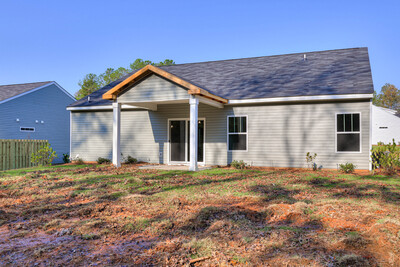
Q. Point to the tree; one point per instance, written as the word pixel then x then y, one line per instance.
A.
pixel 91 82
pixel 389 97
pixel 166 62
pixel 140 63
pixel 111 75
pixel 88 85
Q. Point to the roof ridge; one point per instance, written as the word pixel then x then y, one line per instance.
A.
pixel 288 54
pixel 25 83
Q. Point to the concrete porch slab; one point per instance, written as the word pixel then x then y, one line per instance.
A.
pixel 172 167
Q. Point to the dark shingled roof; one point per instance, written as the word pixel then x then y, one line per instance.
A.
pixel 332 72
pixel 8 91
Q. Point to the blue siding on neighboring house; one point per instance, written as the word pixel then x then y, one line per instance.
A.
pixel 47 105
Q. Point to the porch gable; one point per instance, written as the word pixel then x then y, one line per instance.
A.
pixel 153 88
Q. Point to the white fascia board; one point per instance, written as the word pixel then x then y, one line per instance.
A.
pixel 300 98
pixel 210 102
pixel 104 107
pixel 65 91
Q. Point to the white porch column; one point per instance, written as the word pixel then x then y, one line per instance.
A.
pixel 116 157
pixel 194 109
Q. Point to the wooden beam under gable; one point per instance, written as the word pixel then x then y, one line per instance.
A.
pixel 192 89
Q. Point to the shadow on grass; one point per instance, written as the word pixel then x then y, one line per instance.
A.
pixel 275 193
pixel 345 189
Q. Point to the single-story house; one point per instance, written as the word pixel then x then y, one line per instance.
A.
pixel 36 111
pixel 267 111
pixel 385 125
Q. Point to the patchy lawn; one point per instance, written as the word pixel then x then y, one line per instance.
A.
pixel 81 215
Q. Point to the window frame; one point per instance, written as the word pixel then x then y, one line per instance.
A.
pixel 344 132
pixel 24 131
pixel 229 133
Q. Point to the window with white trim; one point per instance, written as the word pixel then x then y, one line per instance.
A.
pixel 237 133
pixel 348 132
pixel 27 129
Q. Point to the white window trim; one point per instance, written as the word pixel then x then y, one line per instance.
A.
pixel 169 162
pixel 246 133
pixel 20 129
pixel 359 132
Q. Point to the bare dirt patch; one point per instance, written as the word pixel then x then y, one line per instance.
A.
pixel 99 215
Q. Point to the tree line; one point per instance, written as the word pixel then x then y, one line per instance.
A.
pixel 92 82
pixel 389 97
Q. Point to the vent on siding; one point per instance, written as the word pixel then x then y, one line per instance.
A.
pixel 27 129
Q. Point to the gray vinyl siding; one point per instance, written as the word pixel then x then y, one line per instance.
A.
pixel 154 88
pixel 47 105
pixel 278 135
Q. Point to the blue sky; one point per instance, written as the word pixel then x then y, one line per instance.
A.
pixel 64 40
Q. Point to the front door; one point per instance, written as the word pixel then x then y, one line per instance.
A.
pixel 179 134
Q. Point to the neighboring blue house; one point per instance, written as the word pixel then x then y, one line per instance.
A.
pixel 36 111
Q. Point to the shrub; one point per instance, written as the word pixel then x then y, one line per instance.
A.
pixel 44 155
pixel 347 167
pixel 101 160
pixel 238 164
pixel 386 157
pixel 130 160
pixel 66 158
pixel 310 159
pixel 79 161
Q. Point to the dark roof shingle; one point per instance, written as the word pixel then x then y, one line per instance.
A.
pixel 332 72
pixel 11 90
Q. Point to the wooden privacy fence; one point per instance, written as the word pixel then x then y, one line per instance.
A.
pixel 15 154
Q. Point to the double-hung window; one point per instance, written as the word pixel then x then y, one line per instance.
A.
pixel 348 132
pixel 237 133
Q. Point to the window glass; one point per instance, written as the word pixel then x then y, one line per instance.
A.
pixel 347 123
pixel 231 124
pixel 237 142
pixel 348 142
pixel 356 122
pixel 237 124
pixel 340 122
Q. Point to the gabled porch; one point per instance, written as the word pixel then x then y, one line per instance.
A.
pixel 150 87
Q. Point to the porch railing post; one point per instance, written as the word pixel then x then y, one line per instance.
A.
pixel 116 157
pixel 194 108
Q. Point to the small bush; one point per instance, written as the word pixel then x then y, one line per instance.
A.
pixel 101 160
pixel 386 157
pixel 130 160
pixel 352 260
pixel 240 165
pixel 66 158
pixel 347 167
pixel 44 156
pixel 79 161
pixel 310 159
